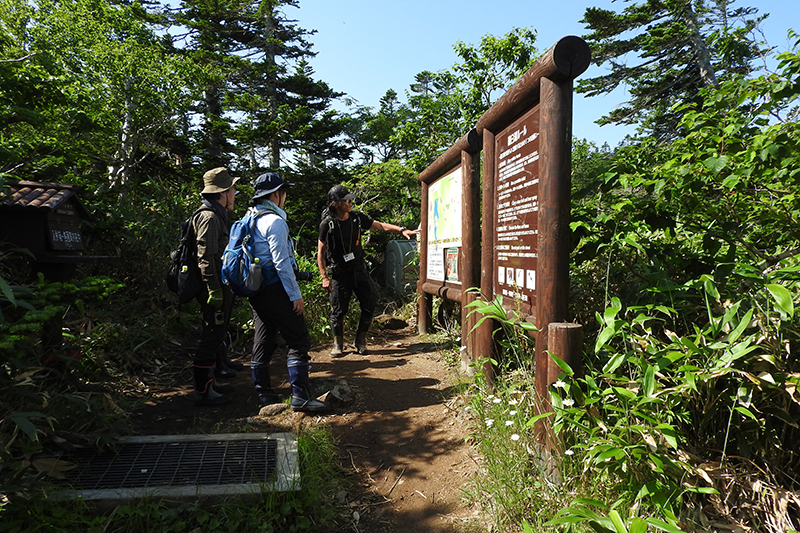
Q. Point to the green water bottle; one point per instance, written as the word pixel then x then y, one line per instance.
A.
pixel 184 273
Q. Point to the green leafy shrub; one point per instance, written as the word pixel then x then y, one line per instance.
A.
pixel 44 401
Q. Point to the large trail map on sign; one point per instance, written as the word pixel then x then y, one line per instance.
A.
pixel 444 221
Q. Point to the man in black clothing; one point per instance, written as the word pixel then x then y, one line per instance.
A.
pixel 340 259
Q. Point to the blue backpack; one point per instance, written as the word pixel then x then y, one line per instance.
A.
pixel 241 270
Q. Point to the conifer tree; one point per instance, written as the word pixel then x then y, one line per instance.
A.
pixel 665 52
pixel 259 97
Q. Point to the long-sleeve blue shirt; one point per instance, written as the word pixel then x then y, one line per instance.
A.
pixel 273 246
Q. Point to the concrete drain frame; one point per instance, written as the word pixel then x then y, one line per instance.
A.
pixel 186 466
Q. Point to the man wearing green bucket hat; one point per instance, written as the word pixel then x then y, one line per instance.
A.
pixel 211 225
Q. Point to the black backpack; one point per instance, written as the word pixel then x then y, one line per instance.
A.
pixel 183 277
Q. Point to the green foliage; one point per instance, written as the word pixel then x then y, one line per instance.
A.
pixel 512 335
pixel 389 191
pixel 663 215
pixel 515 484
pixel 490 68
pixel 371 131
pixel 258 94
pixel 686 280
pixel 663 401
pixel 306 201
pixel 445 105
pixel 44 406
pixel 111 96
pixel 640 426
pixel 315 299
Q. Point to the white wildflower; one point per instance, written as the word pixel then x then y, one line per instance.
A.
pixel 489 422
pixel 497 400
pixel 509 422
pixel 569 452
pixel 513 402
pixel 512 413
pixel 569 402
pixel 559 384
pixel 515 437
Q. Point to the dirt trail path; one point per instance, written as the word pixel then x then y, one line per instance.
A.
pixel 403 437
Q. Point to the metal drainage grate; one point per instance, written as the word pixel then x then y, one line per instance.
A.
pixel 186 465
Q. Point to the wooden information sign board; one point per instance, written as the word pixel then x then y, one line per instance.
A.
pixel 516 203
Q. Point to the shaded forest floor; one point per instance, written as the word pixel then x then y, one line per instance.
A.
pixel 402 439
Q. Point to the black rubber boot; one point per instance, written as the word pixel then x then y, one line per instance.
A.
pixel 338 346
pixel 301 389
pixel 204 392
pixel 223 371
pixel 261 381
pixel 361 342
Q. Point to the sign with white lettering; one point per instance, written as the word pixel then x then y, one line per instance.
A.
pixel 517 211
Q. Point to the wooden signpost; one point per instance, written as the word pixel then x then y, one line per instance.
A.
pixel 527 138
pixel 526 141
pixel 450 237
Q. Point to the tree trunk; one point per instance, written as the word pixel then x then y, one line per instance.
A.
pixel 700 48
pixel 119 171
pixel 273 145
pixel 212 117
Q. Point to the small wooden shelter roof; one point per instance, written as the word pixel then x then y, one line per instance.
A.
pixel 41 195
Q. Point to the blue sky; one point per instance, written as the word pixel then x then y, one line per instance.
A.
pixel 365 47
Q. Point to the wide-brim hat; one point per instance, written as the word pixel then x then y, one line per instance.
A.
pixel 218 180
pixel 339 192
pixel 268 183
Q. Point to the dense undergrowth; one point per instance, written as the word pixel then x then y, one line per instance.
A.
pixel 686 278
pixel 677 431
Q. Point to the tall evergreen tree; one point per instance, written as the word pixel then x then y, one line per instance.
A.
pixel 372 130
pixel 666 52
pixel 259 96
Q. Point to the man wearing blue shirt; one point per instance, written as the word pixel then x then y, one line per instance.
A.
pixel 279 306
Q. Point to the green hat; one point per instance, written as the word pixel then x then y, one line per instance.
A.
pixel 218 180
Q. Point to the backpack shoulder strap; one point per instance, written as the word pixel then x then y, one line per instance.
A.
pixel 197 211
pixel 255 215
pixel 328 236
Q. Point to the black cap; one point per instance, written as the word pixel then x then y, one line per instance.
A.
pixel 339 192
pixel 267 184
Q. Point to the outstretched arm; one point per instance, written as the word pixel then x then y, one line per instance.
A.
pixel 391 228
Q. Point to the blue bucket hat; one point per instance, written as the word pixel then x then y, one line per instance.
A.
pixel 267 184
